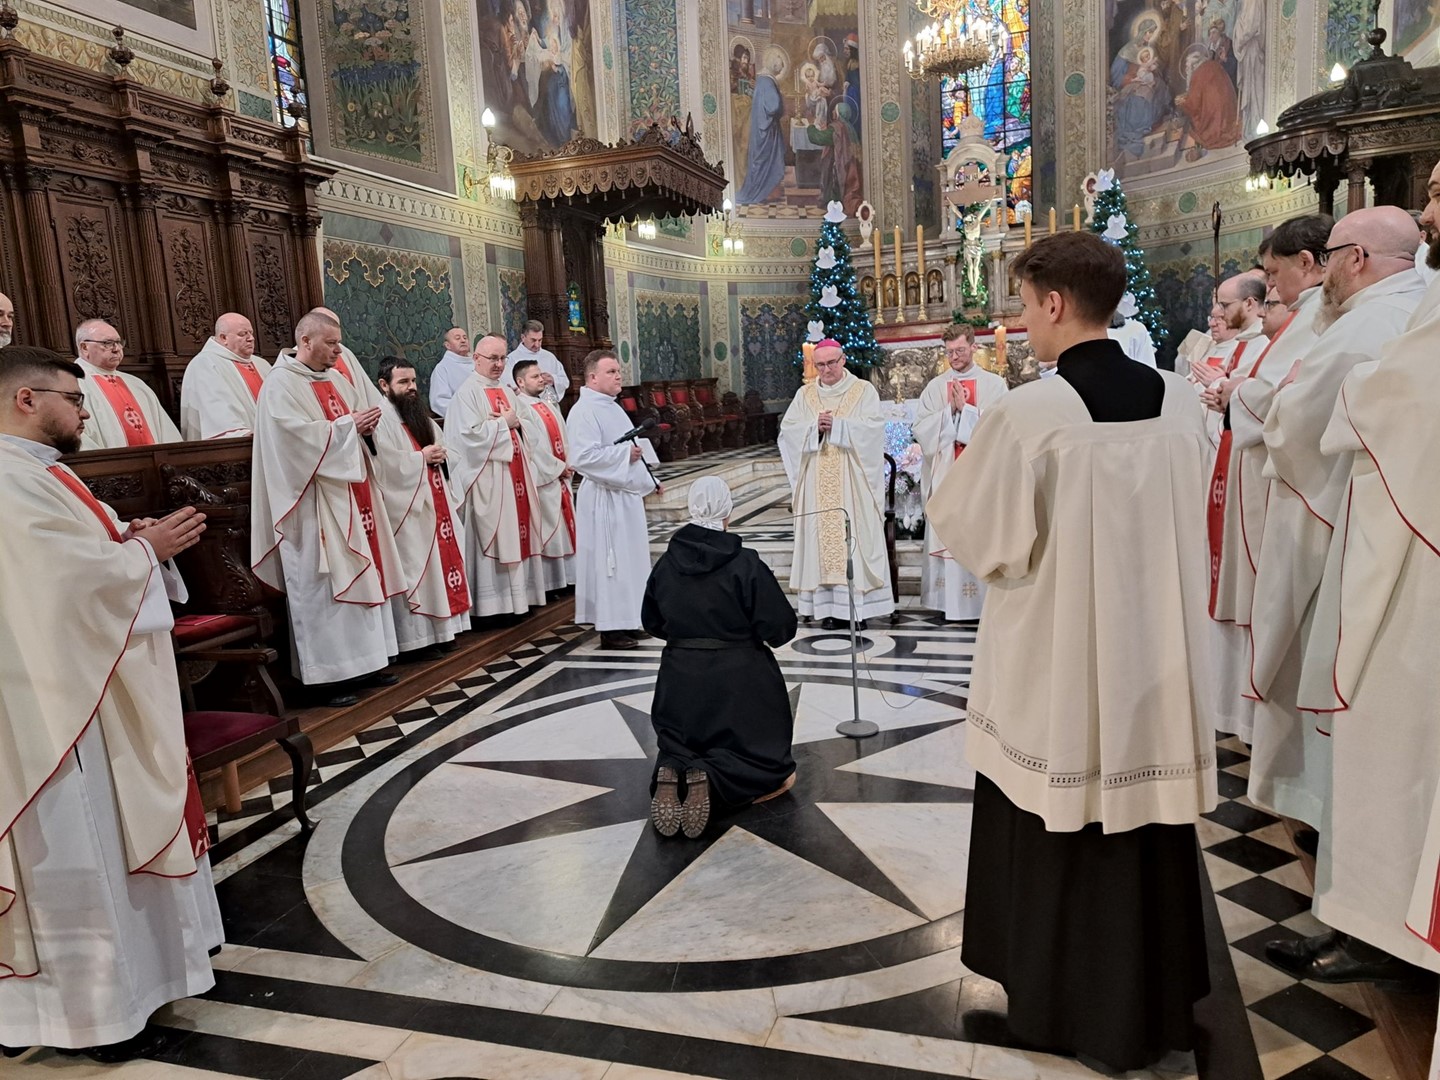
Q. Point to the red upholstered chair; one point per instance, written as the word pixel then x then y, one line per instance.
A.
pixel 676 417
pixel 680 398
pixel 633 400
pixel 220 738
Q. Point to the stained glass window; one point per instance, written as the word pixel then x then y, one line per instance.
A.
pixel 998 93
pixel 284 32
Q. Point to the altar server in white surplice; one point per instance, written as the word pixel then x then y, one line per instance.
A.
pixel 832 441
pixel 1288 325
pixel 612 558
pixel 949 409
pixel 425 513
pixel 549 464
pixel 530 348
pixel 1134 338
pixel 491 474
pixel 319 531
pixel 450 373
pixel 222 381
pixel 107 910
pixel 123 410
pixel 1369 292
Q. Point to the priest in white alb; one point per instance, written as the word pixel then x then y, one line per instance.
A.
pixel 411 468
pixel 491 474
pixel 832 441
pixel 347 365
pixel 319 532
pixel 1369 292
pixel 221 383
pixel 1241 498
pixel 123 410
pixel 612 557
pixel 107 909
pixel 950 407
pixel 549 465
pixel 531 347
pixel 450 373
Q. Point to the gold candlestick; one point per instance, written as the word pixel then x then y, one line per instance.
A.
pixel 899 277
pixel 920 261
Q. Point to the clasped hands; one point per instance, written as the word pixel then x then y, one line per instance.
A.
pixel 1216 396
pixel 827 421
pixel 170 535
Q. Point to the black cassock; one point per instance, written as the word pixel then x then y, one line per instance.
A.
pixel 720 700
pixel 1098 939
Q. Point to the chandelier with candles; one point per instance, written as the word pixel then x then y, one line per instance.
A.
pixel 956 41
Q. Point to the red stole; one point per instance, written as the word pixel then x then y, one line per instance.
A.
pixel 195 827
pixel 557 444
pixel 334 407
pixel 452 563
pixel 1215 510
pixel 137 429
pixel 250 375
pixel 344 369
pixel 498 402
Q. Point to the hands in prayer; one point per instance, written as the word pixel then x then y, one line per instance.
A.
pixel 508 415
pixel 434 454
pixel 172 534
pixel 1217 395
pixel 827 421
pixel 1204 373
pixel 367 420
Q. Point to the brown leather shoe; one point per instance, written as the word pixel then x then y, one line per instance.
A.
pixel 695 810
pixel 665 810
pixel 617 640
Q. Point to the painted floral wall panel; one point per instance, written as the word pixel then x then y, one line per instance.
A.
pixel 378 103
pixel 771 330
pixel 652 41
pixel 667 337
pixel 513 310
pixel 390 303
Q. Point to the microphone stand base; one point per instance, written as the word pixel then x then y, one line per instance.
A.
pixel 858 729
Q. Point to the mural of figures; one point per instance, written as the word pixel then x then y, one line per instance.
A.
pixel 1186 81
pixel 795 91
pixel 1415 20
pixel 539 78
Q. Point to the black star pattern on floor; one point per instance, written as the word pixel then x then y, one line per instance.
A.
pixel 793 821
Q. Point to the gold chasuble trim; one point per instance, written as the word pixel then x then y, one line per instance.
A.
pixel 830 489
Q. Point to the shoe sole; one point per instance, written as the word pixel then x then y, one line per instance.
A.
pixel 665 810
pixel 695 810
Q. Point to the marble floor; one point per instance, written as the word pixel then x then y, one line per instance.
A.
pixel 483 898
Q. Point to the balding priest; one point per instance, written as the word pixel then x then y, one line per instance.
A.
pixel 347 366
pixel 612 560
pixel 221 383
pixel 411 467
pixel 492 476
pixel 7 320
pixel 832 441
pixel 545 443
pixel 107 910
pixel 123 410
pixel 949 409
pixel 319 532
pixel 450 373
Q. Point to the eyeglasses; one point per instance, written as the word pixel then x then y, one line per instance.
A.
pixel 75 397
pixel 1224 305
pixel 1276 303
pixel 113 343
pixel 1325 254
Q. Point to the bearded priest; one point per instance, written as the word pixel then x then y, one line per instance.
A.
pixel 222 381
pixel 107 910
pixel 492 476
pixel 949 409
pixel 832 441
pixel 412 467
pixel 318 528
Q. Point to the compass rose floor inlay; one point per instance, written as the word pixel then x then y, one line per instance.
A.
pixel 484 898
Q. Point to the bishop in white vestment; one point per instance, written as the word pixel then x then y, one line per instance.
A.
pixel 222 382
pixel 123 410
pixel 949 409
pixel 612 557
pixel 832 441
pixel 550 466
pixel 424 511
pixel 492 477
pixel 1368 300
pixel 319 530
pixel 107 909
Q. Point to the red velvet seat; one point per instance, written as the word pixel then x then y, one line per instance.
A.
pixel 211 629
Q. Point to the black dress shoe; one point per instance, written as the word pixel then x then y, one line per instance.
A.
pixel 12 1051
pixel 149 1040
pixel 1340 958
pixel 380 678
pixel 342 699
pixel 637 635
pixel 616 640
pixel 828 623
pixel 420 656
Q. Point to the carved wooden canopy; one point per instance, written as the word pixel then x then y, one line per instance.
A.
pixel 1381 124
pixel 157 214
pixel 663 172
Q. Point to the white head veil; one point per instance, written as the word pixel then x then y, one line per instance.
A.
pixel 710 503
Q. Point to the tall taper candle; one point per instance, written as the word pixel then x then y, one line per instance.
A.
pixel 879 242
pixel 1052 221
pixel 920 258
pixel 1000 349
pixel 1076 215
pixel 1028 216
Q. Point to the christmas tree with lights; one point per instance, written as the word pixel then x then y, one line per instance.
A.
pixel 1113 222
pixel 835 298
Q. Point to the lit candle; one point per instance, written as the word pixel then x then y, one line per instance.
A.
pixel 808 349
pixel 1000 348
pixel 899 269
pixel 1076 215
pixel 1028 216
pixel 920 258
pixel 1052 221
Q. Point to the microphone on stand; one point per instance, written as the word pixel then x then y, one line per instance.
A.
pixel 648 424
